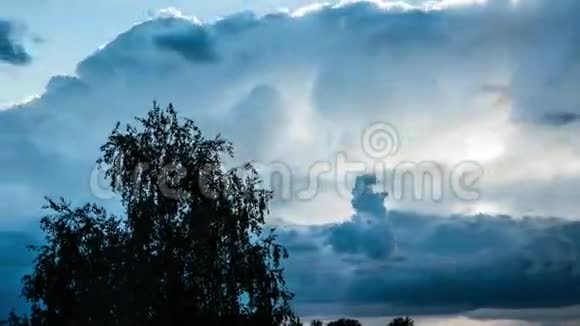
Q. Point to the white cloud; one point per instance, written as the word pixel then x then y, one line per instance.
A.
pixel 452 81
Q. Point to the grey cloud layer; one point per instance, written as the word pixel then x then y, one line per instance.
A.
pixel 16 262
pixel 407 263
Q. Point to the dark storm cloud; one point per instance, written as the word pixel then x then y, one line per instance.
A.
pixel 11 51
pixel 193 44
pixel 405 262
pixel 368 233
pixel 560 118
pixel 15 261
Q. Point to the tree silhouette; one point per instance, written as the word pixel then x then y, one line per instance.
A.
pixel 316 323
pixel 402 322
pixel 191 248
pixel 345 322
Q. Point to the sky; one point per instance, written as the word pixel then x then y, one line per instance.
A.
pixel 424 154
pixel 60 34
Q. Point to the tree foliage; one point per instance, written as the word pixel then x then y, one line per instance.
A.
pixel 402 322
pixel 190 249
pixel 345 322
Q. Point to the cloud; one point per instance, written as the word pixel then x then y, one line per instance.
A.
pixel 548 67
pixel 560 118
pixel 368 232
pixel 194 44
pixel 299 88
pixel 16 262
pixel 11 51
pixel 417 264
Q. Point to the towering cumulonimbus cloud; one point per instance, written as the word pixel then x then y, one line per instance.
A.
pixel 459 82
